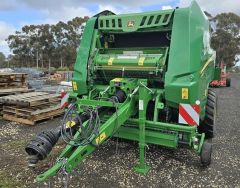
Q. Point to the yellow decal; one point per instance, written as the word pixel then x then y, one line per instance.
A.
pixel 184 93
pixel 210 60
pixel 117 79
pixel 141 61
pixel 106 45
pixel 206 92
pixel 70 124
pixel 130 24
pixel 74 85
pixel 100 138
pixel 110 60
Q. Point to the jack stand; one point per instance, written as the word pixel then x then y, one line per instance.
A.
pixel 144 97
pixel 142 167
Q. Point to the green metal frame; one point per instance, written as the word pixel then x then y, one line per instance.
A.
pixel 138 21
pixel 122 125
pixel 144 97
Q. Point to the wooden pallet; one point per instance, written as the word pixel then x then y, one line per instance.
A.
pixel 30 111
pixel 11 85
pixel 1 108
pixel 12 76
pixel 12 80
pixel 32 120
pixel 29 108
pixel 30 99
pixel 13 91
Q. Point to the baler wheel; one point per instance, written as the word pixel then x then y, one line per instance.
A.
pixel 212 93
pixel 207 125
pixel 228 82
pixel 206 153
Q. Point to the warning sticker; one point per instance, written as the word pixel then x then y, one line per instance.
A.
pixel 110 61
pixel 141 61
pixel 74 85
pixel 140 104
pixel 100 138
pixel 70 124
pixel 127 57
pixel 117 79
pixel 184 93
pixel 132 53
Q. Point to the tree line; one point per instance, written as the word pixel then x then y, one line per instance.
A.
pixel 226 38
pixel 46 45
pixel 55 45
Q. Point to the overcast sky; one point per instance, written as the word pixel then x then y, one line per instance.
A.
pixel 16 13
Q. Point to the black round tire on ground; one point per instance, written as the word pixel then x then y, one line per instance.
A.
pixel 207 125
pixel 228 82
pixel 206 153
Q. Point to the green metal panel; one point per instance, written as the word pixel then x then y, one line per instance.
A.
pixel 146 50
pixel 189 51
pixel 126 60
pixel 152 137
pixel 138 62
pixel 134 22
pixel 80 67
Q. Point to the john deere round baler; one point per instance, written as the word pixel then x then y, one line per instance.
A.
pixel 142 77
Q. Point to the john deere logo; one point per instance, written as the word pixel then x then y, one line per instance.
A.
pixel 130 23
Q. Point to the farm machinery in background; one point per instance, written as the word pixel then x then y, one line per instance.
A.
pixel 222 78
pixel 142 77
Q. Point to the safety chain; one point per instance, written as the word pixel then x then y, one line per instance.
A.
pixel 117 147
pixel 63 171
pixel 151 91
pixel 49 183
pixel 167 114
pixel 145 152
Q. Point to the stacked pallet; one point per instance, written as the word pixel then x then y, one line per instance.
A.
pixel 1 108
pixel 59 76
pixel 29 108
pixel 66 75
pixel 11 83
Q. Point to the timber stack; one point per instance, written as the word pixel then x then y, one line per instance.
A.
pixel 12 83
pixel 32 107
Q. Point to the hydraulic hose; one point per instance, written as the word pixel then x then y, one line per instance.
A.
pixel 42 144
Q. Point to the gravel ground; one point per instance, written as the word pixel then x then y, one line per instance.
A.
pixel 110 168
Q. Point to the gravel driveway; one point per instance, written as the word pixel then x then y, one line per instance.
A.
pixel 109 167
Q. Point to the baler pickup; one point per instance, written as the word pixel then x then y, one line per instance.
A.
pixel 129 60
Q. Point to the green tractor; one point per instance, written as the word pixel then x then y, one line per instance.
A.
pixel 143 77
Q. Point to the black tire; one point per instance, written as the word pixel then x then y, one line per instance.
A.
pixel 212 95
pixel 206 153
pixel 207 125
pixel 228 82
